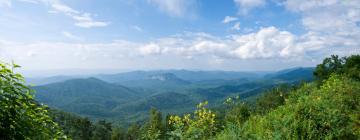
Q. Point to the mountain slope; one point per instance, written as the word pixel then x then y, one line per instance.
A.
pixel 85 96
pixel 157 81
pixel 186 75
pixel 295 74
pixel 163 101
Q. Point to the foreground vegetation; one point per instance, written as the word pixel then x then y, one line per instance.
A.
pixel 328 108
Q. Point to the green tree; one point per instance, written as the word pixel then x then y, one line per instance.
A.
pixel 330 65
pixel 133 132
pixel 74 127
pixel 153 129
pixel 21 117
pixel 272 98
pixel 102 130
pixel 352 66
pixel 238 114
pixel 118 134
pixel 349 66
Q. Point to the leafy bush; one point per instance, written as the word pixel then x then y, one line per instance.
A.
pixel 330 112
pixel 21 117
pixel 201 126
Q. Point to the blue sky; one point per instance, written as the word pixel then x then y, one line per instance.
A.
pixel 241 35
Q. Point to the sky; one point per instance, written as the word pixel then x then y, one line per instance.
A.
pixel 234 35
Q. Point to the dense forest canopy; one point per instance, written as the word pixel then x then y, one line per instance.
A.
pixel 327 108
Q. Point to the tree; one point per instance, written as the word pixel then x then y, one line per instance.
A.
pixel 238 114
pixel 332 64
pixel 154 128
pixel 21 117
pixel 352 66
pixel 133 132
pixel 349 66
pixel 102 130
pixel 75 127
pixel 118 134
pixel 272 98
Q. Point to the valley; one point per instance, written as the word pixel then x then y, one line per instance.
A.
pixel 127 97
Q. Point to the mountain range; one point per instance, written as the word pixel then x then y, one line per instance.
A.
pixel 127 97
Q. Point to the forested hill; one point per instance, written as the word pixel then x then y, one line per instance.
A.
pixel 129 101
pixel 89 97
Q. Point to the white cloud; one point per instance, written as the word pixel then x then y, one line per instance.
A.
pixel 70 35
pixel 246 5
pixel 5 3
pixel 137 28
pixel 266 43
pixel 150 49
pixel 90 24
pixel 194 50
pixel 329 23
pixel 82 19
pixel 236 26
pixel 64 8
pixel 229 19
pixel 30 1
pixel 178 8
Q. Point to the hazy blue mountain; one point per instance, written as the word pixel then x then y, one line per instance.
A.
pixel 186 75
pixel 48 80
pixel 196 76
pixel 157 81
pixel 89 96
pixel 127 97
pixel 295 74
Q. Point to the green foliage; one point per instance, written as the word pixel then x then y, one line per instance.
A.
pixel 74 127
pixel 21 117
pixel 238 114
pixel 231 132
pixel 330 65
pixel 350 66
pixel 153 129
pixel 133 132
pixel 272 98
pixel 118 134
pixel 201 126
pixel 330 112
pixel 102 131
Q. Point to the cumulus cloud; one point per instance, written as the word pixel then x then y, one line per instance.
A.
pixel 229 19
pixel 245 6
pixel 268 42
pixel 329 23
pixel 187 49
pixel 177 8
